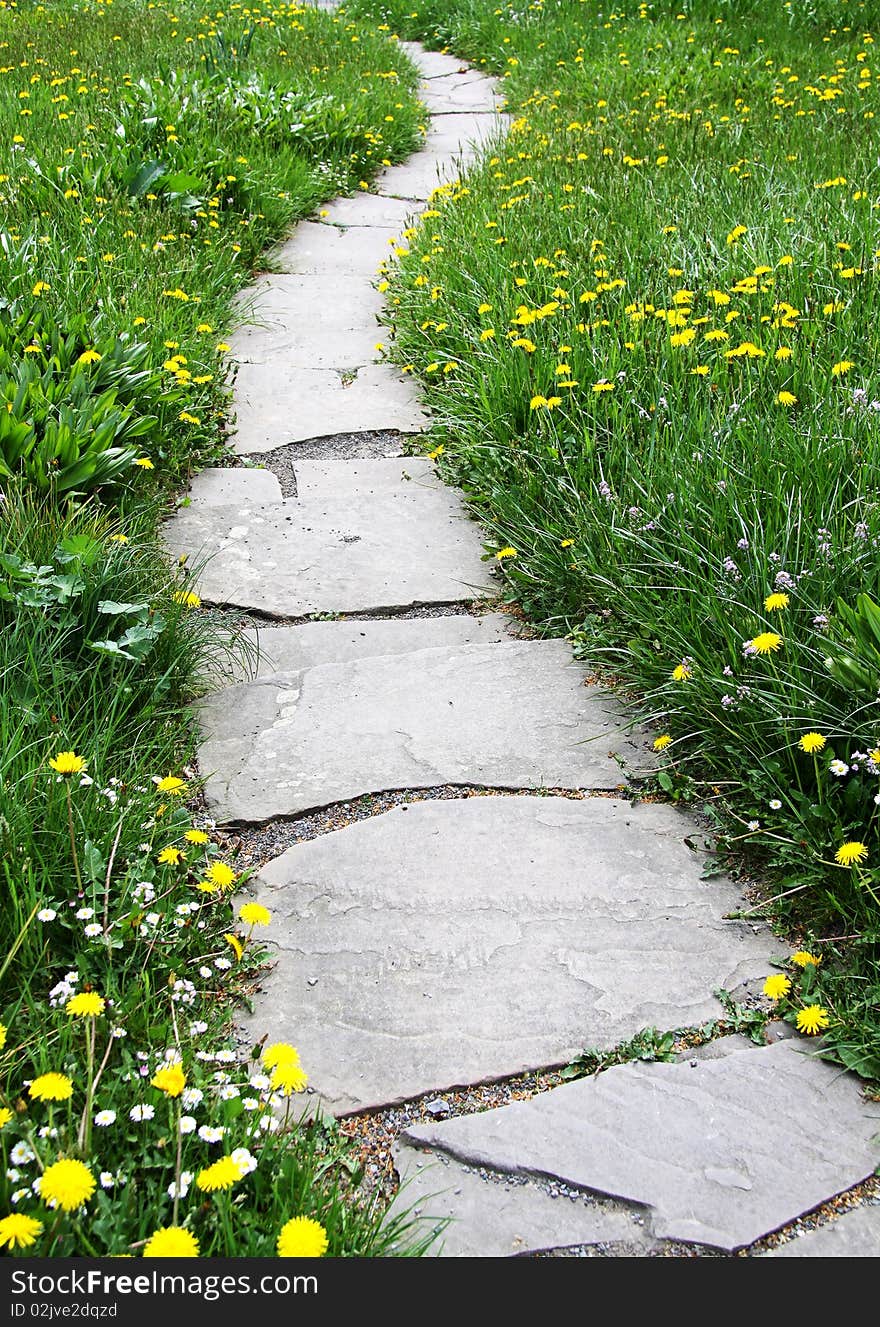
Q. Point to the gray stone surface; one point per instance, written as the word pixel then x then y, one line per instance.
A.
pixel 276 405
pixel 321 249
pixel 420 176
pixel 721 1153
pixel 458 941
pixel 510 715
pixel 503 1216
pixel 855 1234
pixel 234 487
pixel 337 549
pixel 366 210
pixel 292 649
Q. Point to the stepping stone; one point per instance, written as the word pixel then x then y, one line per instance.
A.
pixel 720 1154
pixel 855 1234
pixel 452 132
pixel 509 715
pixel 394 543
pixel 322 250
pixel 241 488
pixel 454 94
pixel 277 403
pixel 433 64
pixel 503 1216
pixel 366 210
pixel 292 649
pixel 460 941
pixel 420 176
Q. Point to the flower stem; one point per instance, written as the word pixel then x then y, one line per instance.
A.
pixel 73 837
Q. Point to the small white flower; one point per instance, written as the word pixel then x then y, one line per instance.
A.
pixel 775 804
pixel 153 918
pixel 19 1195
pixel 205 973
pixel 192 1096
pixel 118 1033
pixel 182 1189
pixel 13 1175
pixel 188 1124
pixel 83 914
pixel 261 1082
pixel 250 1103
pixel 105 1118
pixel 229 1092
pixel 225 1057
pixel 838 768
pixel 222 964
pixel 210 1133
pixel 107 1178
pixel 197 1028
pixel 753 825
pixel 46 915
pixel 92 930
pixel 47 1131
pixel 269 1123
pixel 141 1113
pixel 245 1162
pixel 21 1154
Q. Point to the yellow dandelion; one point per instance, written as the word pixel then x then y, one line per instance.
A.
pixel 171 856
pixel 681 673
pixel 18 1231
pixel 171 785
pixel 851 853
pixel 196 836
pixel 505 553
pixel 776 601
pixel 51 1087
pixel 802 959
pixel 301 1237
pixel 812 1019
pixel 221 1175
pixel 288 1078
pixel 170 1079
pixel 254 914
pixel 841 367
pixel 67 1184
pixel 766 643
pixel 280 1052
pixel 220 876
pixel 662 742
pixel 87 1004
pixel 786 398
pixel 145 463
pixel 811 742
pixel 777 986
pixel 67 763
pixel 171 1242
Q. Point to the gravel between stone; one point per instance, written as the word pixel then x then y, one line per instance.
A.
pixel 341 447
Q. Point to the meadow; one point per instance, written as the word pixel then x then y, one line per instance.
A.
pixel 647 325
pixel 148 154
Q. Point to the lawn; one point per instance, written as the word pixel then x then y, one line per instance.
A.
pixel 148 154
pixel 647 325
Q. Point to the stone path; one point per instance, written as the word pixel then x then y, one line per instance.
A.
pixel 465 940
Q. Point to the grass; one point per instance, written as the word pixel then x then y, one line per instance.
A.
pixel 148 155
pixel 646 322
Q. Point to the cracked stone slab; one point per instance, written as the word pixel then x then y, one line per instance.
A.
pixel 292 649
pixel 450 132
pixel 367 210
pixel 452 942
pixel 322 250
pixel 855 1234
pixel 513 714
pixel 503 1216
pixel 421 175
pixel 433 64
pixel 277 404
pixel 241 487
pixel 394 544
pixel 721 1153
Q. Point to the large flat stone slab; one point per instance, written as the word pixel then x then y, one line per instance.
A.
pixel 513 714
pixel 506 1216
pixel 855 1234
pixel 420 175
pixel 393 543
pixel 242 488
pixel 277 404
pixel 320 249
pixel 721 1153
pixel 452 942
pixel 367 210
pixel 292 649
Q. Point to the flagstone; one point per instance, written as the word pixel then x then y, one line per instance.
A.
pixel 393 544
pixel 458 941
pixel 720 1152
pixel 855 1234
